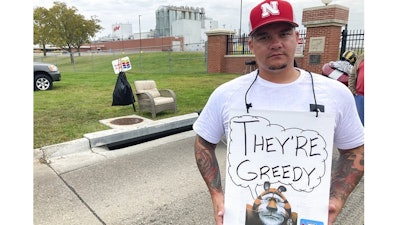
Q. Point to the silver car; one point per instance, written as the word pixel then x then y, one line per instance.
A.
pixel 44 75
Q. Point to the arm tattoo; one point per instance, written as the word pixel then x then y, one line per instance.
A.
pixel 347 172
pixel 207 163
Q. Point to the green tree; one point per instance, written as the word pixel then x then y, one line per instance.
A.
pixel 66 28
pixel 41 27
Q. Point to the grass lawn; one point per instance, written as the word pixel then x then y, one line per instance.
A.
pixel 84 94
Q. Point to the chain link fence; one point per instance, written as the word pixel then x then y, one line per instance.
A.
pixel 144 61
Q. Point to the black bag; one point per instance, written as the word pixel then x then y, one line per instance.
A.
pixel 123 94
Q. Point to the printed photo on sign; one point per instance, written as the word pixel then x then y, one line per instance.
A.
pixel 278 168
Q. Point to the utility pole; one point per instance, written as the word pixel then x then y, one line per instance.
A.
pixel 140 46
pixel 240 25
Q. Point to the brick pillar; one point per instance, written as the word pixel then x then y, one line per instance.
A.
pixel 216 49
pixel 324 26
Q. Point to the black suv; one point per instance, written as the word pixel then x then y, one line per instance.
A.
pixel 44 75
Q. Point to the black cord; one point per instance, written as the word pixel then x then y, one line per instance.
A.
pixel 249 105
pixel 315 99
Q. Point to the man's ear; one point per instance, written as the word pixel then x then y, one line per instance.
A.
pixel 250 42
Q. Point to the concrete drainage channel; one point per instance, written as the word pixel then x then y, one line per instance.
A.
pixel 125 131
pixel 149 131
pixel 133 130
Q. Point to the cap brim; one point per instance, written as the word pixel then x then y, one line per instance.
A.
pixel 273 21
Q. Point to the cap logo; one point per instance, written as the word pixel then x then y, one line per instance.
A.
pixel 269 9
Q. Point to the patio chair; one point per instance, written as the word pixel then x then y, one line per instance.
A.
pixel 153 100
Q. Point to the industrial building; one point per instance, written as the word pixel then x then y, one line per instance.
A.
pixel 122 31
pixel 183 21
pixel 171 21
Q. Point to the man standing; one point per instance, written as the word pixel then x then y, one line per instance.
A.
pixel 278 85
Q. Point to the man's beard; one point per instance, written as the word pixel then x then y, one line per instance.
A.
pixel 278 67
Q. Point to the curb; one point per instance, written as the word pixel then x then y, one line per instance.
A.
pixel 47 153
pixel 118 136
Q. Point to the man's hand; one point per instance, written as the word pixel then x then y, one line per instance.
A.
pixel 335 207
pixel 218 203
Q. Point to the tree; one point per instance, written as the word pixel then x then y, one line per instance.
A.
pixel 64 27
pixel 41 27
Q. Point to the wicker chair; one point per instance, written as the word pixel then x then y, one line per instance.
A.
pixel 152 100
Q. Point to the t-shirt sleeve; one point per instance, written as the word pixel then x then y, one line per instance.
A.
pixel 349 131
pixel 209 124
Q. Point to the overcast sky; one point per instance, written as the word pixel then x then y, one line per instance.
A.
pixel 226 12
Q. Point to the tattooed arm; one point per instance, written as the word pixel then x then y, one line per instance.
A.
pixel 207 163
pixel 346 174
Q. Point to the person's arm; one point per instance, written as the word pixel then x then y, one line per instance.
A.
pixel 207 163
pixel 353 76
pixel 352 80
pixel 346 174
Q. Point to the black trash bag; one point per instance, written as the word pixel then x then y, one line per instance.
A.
pixel 123 94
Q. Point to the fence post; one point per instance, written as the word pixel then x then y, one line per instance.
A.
pixel 243 40
pixel 344 41
pixel 216 49
pixel 324 25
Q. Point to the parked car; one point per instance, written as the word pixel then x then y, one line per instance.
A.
pixel 44 75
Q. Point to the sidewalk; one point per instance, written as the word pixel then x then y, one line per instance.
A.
pixel 123 186
pixel 155 182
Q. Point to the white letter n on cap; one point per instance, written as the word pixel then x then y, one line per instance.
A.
pixel 268 9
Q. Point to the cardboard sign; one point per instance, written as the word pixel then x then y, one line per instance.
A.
pixel 278 168
pixel 121 65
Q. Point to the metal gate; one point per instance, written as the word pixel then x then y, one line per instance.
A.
pixel 352 40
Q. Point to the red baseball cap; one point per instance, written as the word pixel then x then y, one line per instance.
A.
pixel 271 11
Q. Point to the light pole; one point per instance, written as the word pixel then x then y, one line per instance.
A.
pixel 240 25
pixel 140 46
pixel 122 41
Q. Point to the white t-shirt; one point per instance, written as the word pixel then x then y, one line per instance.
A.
pixel 212 123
